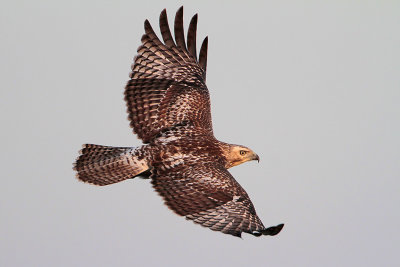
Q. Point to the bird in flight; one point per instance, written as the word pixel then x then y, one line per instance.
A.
pixel 169 109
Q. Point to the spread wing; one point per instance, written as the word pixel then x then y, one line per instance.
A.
pixel 209 195
pixel 167 86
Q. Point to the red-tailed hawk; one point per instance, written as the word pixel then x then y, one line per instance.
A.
pixel 169 109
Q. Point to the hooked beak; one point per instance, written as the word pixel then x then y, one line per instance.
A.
pixel 256 157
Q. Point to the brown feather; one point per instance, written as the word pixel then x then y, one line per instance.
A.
pixel 178 29
pixel 203 56
pixel 164 28
pixel 103 165
pixel 191 37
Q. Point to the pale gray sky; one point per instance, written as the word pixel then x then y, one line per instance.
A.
pixel 312 87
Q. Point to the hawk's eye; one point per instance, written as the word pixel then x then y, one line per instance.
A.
pixel 242 152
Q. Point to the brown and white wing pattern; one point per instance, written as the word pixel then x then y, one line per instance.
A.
pixel 208 194
pixel 167 86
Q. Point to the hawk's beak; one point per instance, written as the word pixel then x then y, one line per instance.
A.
pixel 256 157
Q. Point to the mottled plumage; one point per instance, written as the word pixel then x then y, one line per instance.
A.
pixel 169 109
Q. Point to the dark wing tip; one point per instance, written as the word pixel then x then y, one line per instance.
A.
pixel 180 10
pixel 191 36
pixel 206 41
pixel 179 13
pixel 147 25
pixel 203 55
pixel 164 28
pixel 178 29
pixel 273 230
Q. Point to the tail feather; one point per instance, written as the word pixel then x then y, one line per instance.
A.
pixel 103 165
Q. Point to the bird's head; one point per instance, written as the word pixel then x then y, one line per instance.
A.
pixel 239 154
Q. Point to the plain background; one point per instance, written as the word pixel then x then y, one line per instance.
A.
pixel 313 87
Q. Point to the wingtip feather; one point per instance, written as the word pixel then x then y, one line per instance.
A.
pixel 273 230
pixel 203 55
pixel 191 36
pixel 164 28
pixel 178 29
pixel 147 26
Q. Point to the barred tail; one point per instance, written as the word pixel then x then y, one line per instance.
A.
pixel 103 165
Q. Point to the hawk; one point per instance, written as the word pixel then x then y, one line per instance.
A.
pixel 169 109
